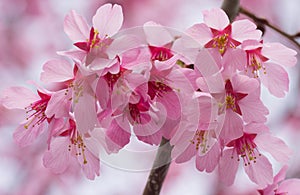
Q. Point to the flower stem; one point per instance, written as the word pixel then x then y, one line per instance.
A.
pixel 159 169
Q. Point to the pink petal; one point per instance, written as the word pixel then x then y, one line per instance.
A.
pixel 244 30
pixel 118 136
pixel 108 20
pixel 289 186
pixel 244 84
pixel 253 109
pixel 102 93
pixel 59 104
pixel 187 154
pixel 122 44
pixel 232 126
pixel 75 26
pixel 275 146
pixel 256 128
pixel 260 172
pixel 280 54
pixel 58 157
pixel 235 59
pixel 172 104
pixel 156 34
pixel 182 144
pixel 25 137
pixel 18 97
pixel 276 79
pixel 209 161
pixel 92 166
pixel 216 19
pixel 200 33
pixel 77 55
pixel 56 71
pixel 85 109
pixel 206 63
pixel 280 176
pixel 228 167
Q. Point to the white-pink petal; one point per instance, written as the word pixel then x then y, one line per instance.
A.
pixel 58 158
pixel 245 30
pixel 156 34
pixel 200 33
pixel 260 172
pixel 276 79
pixel 59 104
pixel 279 54
pixel 76 27
pixel 85 109
pixel 275 146
pixel 56 71
pixel 18 97
pixel 228 167
pixel 216 18
pixel 108 20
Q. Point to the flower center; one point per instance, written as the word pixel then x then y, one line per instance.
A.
pixel 160 53
pixel 157 88
pixel 246 148
pixel 136 109
pixel 36 111
pixel 256 62
pixel 200 141
pixel 232 98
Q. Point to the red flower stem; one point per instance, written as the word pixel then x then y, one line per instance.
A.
pixel 266 23
pixel 159 169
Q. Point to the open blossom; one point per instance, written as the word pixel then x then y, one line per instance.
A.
pixel 35 107
pixel 69 146
pixel 247 149
pixel 238 95
pixel 202 141
pixel 265 60
pixel 281 185
pixel 217 32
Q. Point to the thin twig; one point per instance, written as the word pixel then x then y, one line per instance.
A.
pixel 160 168
pixel 266 22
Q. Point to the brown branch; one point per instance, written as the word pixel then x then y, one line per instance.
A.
pixel 159 169
pixel 266 22
pixel 231 7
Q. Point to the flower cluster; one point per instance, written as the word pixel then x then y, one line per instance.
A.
pixel 199 89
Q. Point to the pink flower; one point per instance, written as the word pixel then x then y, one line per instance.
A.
pixel 217 32
pixel 238 95
pixel 256 137
pixel 69 146
pixel 281 185
pixel 35 107
pixel 265 60
pixel 202 141
pixel 76 93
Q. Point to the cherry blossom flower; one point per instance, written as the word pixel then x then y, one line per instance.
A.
pixel 265 60
pixel 35 107
pixel 67 146
pixel 256 137
pixel 217 32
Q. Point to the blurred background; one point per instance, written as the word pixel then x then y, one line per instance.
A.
pixel 31 32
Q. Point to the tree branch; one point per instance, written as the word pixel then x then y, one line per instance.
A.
pixel 231 7
pixel 266 22
pixel 159 169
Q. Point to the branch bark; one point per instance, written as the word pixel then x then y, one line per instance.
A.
pixel 231 8
pixel 159 169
